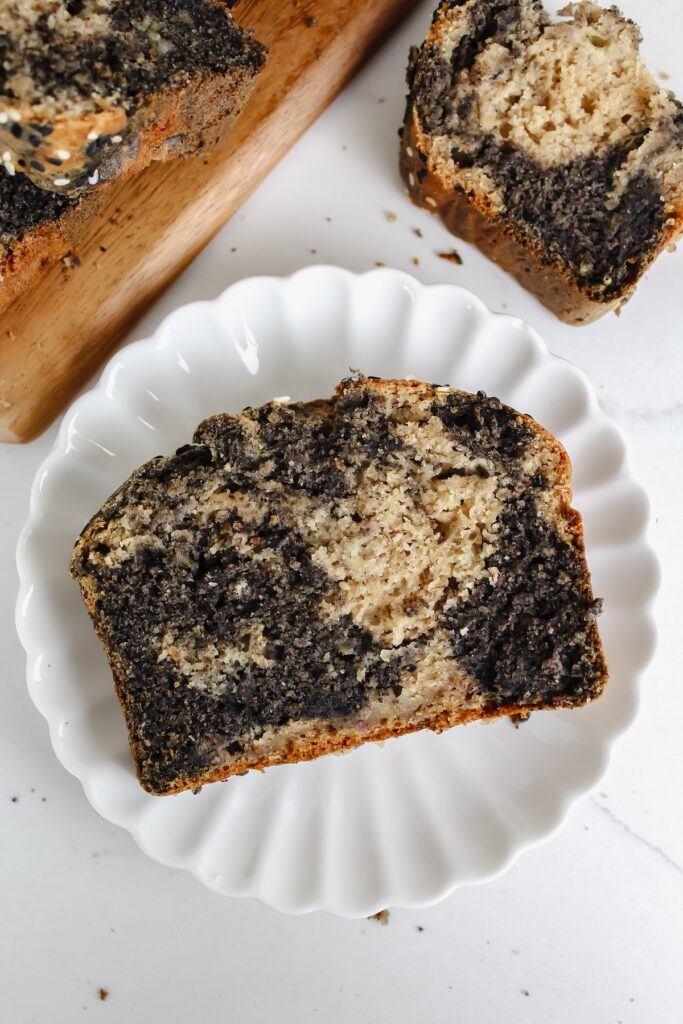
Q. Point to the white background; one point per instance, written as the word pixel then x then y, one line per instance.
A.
pixel 588 927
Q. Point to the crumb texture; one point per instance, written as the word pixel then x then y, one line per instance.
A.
pixel 368 563
pixel 23 207
pixel 91 52
pixel 557 130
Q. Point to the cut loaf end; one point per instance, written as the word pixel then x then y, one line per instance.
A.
pixel 92 90
pixel 549 145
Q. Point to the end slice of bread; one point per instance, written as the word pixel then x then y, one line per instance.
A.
pixel 92 90
pixel 547 144
pixel 304 578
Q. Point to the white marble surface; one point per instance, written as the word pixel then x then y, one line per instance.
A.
pixel 589 926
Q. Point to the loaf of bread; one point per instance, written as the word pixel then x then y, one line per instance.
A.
pixel 547 144
pixel 304 578
pixel 94 89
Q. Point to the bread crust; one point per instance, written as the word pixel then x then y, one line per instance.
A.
pixel 471 217
pixel 173 131
pixel 313 740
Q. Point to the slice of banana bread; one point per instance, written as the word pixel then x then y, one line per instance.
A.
pixel 304 578
pixel 549 145
pixel 93 89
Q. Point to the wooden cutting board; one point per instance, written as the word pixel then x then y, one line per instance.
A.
pixel 54 337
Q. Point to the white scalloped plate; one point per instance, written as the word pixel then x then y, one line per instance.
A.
pixel 395 825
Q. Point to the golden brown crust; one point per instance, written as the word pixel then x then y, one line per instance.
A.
pixel 470 217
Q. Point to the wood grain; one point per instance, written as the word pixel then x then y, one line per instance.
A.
pixel 55 336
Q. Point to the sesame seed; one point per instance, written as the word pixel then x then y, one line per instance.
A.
pixel 93 179
pixel 15 115
pixel 3 118
pixel 6 156
pixel 62 181
pixel 411 180
pixel 409 152
pixel 9 167
pixel 63 154
pixel 116 139
pixel 430 201
pixel 93 135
